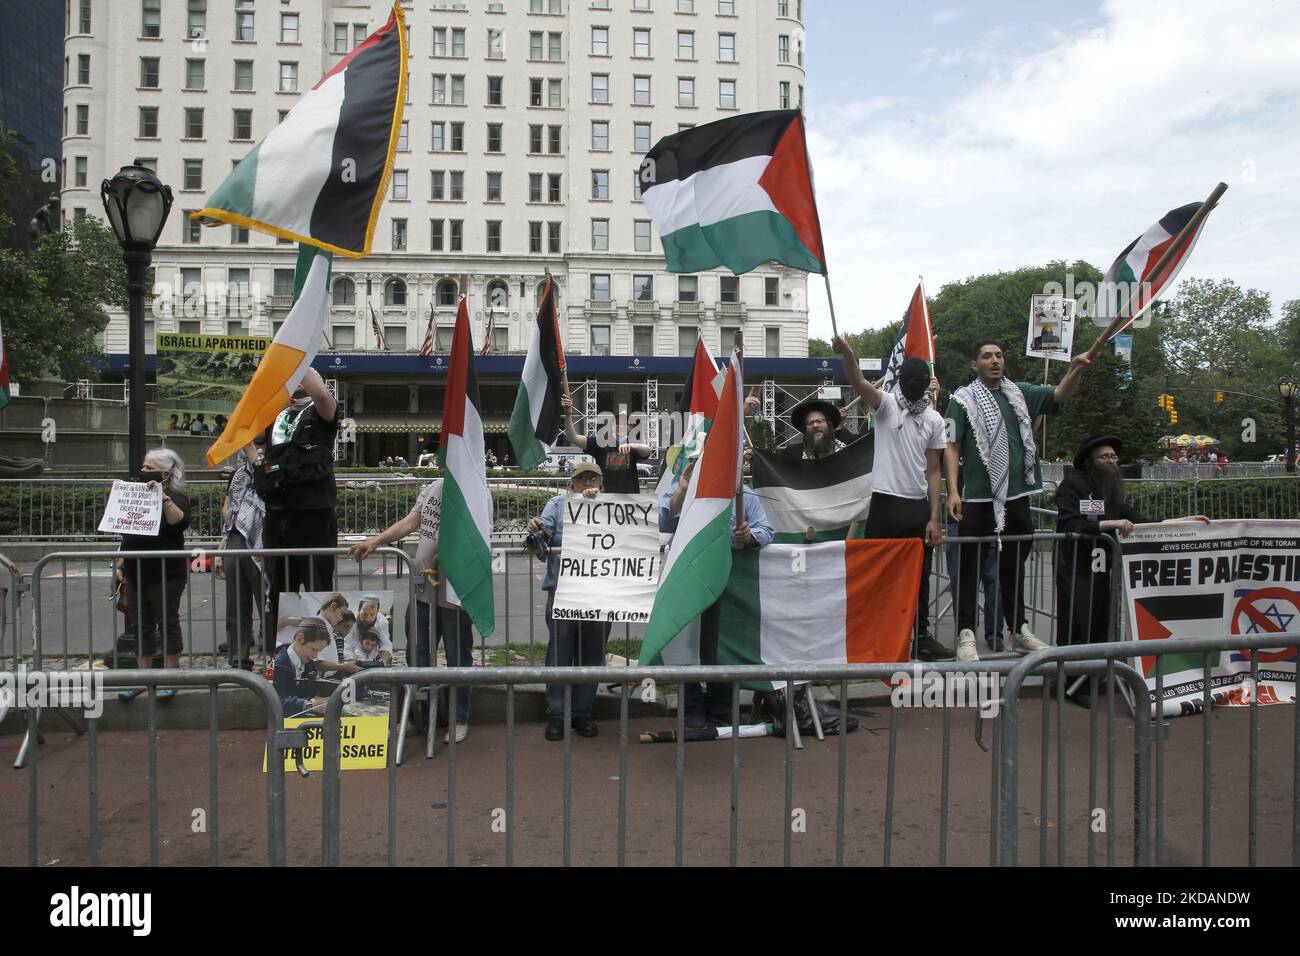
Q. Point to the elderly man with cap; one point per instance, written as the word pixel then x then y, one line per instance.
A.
pixel 296 671
pixel 572 643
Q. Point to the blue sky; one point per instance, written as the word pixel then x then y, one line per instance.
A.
pixel 951 140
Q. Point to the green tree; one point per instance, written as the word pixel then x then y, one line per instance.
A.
pixel 1109 400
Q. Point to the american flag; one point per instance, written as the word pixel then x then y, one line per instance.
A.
pixel 374 324
pixel 427 347
pixel 487 337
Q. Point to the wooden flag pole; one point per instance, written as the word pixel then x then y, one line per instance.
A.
pixel 738 343
pixel 1183 236
pixel 830 301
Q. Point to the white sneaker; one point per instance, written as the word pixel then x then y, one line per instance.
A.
pixel 1024 641
pixel 966 646
pixel 462 731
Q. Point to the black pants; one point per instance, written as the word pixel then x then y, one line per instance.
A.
pixel 153 609
pixel 1083 607
pixel 894 517
pixel 304 528
pixel 713 698
pixel 978 521
pixel 244 600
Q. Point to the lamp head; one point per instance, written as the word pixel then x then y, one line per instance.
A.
pixel 137 204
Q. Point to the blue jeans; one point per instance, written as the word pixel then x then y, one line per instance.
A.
pixel 456 632
pixel 572 644
pixel 988 577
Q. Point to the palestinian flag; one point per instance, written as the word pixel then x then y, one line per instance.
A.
pixel 915 340
pixel 1131 284
pixel 837 602
pixel 282 365
pixel 321 175
pixel 736 193
pixel 464 551
pixel 4 372
pixel 695 411
pixel 824 494
pixel 538 418
pixel 699 560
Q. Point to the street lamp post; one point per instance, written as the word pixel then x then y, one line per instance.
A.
pixel 137 204
pixel 1286 385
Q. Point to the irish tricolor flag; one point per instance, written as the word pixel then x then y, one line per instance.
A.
pixel 735 193
pixel 537 418
pixel 699 560
pixel 321 175
pixel 285 360
pixel 464 553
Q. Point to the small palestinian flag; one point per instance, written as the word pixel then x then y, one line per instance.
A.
pixel 320 176
pixel 4 372
pixel 916 340
pixel 825 495
pixel 537 418
pixel 735 193
pixel 695 411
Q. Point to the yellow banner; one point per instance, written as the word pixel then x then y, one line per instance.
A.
pixel 176 342
pixel 365 744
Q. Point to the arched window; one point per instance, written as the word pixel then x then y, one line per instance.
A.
pixel 498 295
pixel 447 292
pixel 345 292
pixel 538 290
pixel 394 292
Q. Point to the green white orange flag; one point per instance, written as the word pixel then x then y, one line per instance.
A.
pixel 464 552
pixel 289 355
pixel 699 560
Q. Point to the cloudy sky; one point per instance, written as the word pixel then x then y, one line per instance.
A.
pixel 950 140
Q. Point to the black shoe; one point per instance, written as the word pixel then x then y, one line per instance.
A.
pixel 585 726
pixel 995 644
pixel 929 649
pixel 223 648
pixel 554 728
pixel 696 722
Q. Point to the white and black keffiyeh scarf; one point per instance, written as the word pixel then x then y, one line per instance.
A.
pixel 913 411
pixel 991 438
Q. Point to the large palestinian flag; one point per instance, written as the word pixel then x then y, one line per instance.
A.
pixel 1131 284
pixel 915 340
pixel 538 417
pixel 735 193
pixel 825 495
pixel 464 551
pixel 321 175
pixel 285 360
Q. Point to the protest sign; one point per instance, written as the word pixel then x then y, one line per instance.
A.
pixel 364 743
pixel 294 606
pixel 203 376
pixel 1051 327
pixel 1215 580
pixel 133 508
pixel 609 563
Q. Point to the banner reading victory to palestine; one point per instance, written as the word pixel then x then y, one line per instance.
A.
pixel 609 561
pixel 1224 578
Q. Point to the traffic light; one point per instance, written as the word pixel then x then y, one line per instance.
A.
pixel 1218 396
pixel 1163 401
pixel 1173 416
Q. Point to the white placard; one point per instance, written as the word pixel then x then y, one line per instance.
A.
pixel 609 559
pixel 1051 327
pixel 133 508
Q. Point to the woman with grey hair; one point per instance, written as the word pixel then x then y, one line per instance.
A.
pixel 153 586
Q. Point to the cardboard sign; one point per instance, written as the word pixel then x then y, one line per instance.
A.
pixel 609 561
pixel 1051 327
pixel 365 744
pixel 133 508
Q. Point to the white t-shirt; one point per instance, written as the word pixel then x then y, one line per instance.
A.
pixel 429 507
pixel 899 468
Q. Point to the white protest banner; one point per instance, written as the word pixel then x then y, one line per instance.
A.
pixel 133 508
pixel 1051 327
pixel 1224 578
pixel 609 559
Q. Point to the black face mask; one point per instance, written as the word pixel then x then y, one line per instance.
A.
pixel 912 387
pixel 152 476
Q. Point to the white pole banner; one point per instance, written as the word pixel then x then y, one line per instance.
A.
pixel 609 559
pixel 133 508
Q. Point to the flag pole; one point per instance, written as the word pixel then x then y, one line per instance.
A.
pixel 830 301
pixel 1120 321
pixel 738 344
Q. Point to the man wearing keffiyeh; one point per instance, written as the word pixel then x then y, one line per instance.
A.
pixel 991 437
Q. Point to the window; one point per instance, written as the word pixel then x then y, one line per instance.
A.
pixel 640 4
pixel 494 91
pixel 444 340
pixel 599 134
pixel 726 8
pixel 437 184
pixel 535 139
pixel 244 20
pixel 395 338
pixel 600 87
pixel 636 185
pixel 553 50
pixel 553 237
pixel 494 235
pixel 494 187
pixel 495 45
pixel 498 294
pixel 643 288
pixel 600 184
pixel 727 47
pixel 685 91
pixel 641 137
pixel 148 122
pixel 83 69
pixel 685 6
pixel 343 337
pixel 399 184
pixel 243 74
pixel 193 173
pixel 800 96
pixel 196 22
pixel 340 38
pixel 439 88
pixel 729 289
pixel 771 290
pixel 237 283
pixel 687 290
pixel 194 75
pixel 643 340
pixel 458 41
pixel 783 97
pixel 727 94
pixel 535 41
pixel 150 18
pixel 640 42
pixel 685 44
pixel 534 187
pixel 535 91
pixel 79 171
pixel 494 137
pixel 359 33
pixel 457 137
pixel 599 287
pixel 243 125
pixel 641 235
pixel 600 41
pixel 148 162
pixel 534 237
pixel 399 235
pixel 600 235
pixel 641 90
pixel 288 28
pixel 83 119
pixel 687 335
pixel 446 292
pixel 191 230
pixel 395 289
pixel 554 93
pixel 149 72
pixel 457 241
pixel 344 294
pixel 798 52
pixel 457 191
pixel 435 234
pixel 783 48
pixel 439 41
pixel 600 340
pixel 239 235
pixel 772 342
pixel 439 131
pixel 194 123
pixel 404 135
pixel 553 190
pixel 458 91
pixel 553 140
pixel 288 77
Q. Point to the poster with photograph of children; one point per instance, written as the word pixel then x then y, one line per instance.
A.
pixel 361 624
pixel 1051 327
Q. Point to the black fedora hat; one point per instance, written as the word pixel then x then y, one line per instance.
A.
pixel 800 412
pixel 1096 441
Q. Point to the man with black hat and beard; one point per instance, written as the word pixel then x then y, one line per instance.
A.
pixel 817 420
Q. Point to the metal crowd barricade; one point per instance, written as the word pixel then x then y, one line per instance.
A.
pixel 10 613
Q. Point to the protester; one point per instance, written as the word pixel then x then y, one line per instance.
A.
pixel 818 421
pixel 452 624
pixel 616 459
pixel 219 425
pixel 172 424
pixel 243 514
pixel 572 643
pixel 297 672
pixel 153 586
pixel 910 442
pixel 991 438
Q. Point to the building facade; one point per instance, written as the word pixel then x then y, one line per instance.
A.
pixel 33 76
